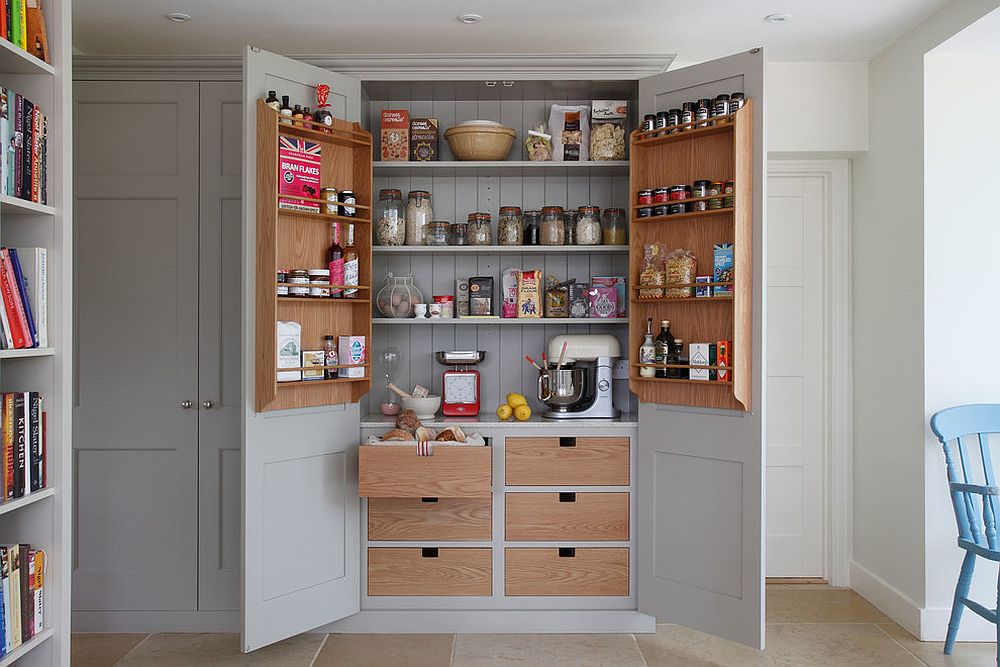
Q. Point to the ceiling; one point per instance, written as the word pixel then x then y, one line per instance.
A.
pixel 694 31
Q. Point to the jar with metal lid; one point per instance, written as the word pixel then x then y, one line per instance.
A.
pixel 282 286
pixel 298 283
pixel 588 226
pixel 458 232
pixel 319 282
pixel 418 214
pixel 480 231
pixel 699 191
pixel 661 120
pixel 613 227
pixel 703 111
pixel 648 122
pixel 330 195
pixel 510 227
pixel 390 218
pixel 551 231
pixel 729 190
pixel 532 221
pixel 688 110
pixel 347 199
pixel 673 118
pixel 736 102
pixel 720 107
pixel 569 222
pixel 436 232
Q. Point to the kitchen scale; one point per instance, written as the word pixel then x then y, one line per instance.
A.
pixel 460 384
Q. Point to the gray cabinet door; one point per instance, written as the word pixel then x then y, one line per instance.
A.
pixel 701 471
pixel 219 346
pixel 300 541
pixel 136 323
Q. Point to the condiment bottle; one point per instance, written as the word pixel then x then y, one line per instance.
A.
pixel 352 264
pixel 664 346
pixel 297 116
pixel 647 352
pixel 335 260
pixel 285 110
pixel 272 100
pixel 330 357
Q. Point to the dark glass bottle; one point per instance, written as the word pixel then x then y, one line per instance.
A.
pixel 297 116
pixel 335 260
pixel 664 345
pixel 272 100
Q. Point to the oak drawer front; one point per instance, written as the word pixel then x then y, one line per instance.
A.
pixel 567 461
pixel 583 517
pixel 422 571
pixel 566 571
pixel 395 471
pixel 430 519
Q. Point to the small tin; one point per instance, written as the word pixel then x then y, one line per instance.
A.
pixel 659 210
pixel 661 120
pixel 645 196
pixel 661 195
pixel 673 118
pixel 649 122
pixel 676 208
pixel 298 283
pixel 329 194
pixel 282 282
pixel 679 192
pixel 346 198
pixel 736 102
pixel 703 290
pixel 646 212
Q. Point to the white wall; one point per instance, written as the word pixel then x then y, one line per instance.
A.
pixel 817 107
pixel 961 273
pixel 892 460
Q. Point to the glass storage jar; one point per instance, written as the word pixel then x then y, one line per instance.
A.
pixel 551 231
pixel 510 227
pixel 398 296
pixel 588 226
pixel 418 214
pixel 390 218
pixel 613 227
pixel 532 220
pixel 480 230
pixel 458 232
pixel 569 222
pixel 436 233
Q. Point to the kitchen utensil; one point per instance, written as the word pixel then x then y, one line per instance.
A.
pixel 425 408
pixel 578 385
pixel 480 142
pixel 460 385
pixel 390 356
pixel 532 362
pixel 398 391
pixel 562 355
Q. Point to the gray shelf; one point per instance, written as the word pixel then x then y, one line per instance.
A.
pixel 510 321
pixel 500 249
pixel 605 168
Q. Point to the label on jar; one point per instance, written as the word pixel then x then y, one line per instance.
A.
pixel 350 276
pixel 348 211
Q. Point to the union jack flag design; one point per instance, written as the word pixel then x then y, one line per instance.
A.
pixel 298 172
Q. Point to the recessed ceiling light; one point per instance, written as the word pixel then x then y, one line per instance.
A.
pixel 177 17
pixel 469 19
pixel 778 18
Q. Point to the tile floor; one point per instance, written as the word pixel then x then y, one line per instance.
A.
pixel 806 625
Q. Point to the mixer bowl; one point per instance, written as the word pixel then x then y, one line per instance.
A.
pixel 562 388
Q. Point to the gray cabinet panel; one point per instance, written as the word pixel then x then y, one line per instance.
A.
pixel 136 466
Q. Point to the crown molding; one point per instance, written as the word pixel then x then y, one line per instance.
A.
pixel 442 67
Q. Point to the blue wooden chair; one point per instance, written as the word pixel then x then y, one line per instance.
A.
pixel 974 493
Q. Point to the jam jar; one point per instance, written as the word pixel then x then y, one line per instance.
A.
pixel 532 221
pixel 510 227
pixel 436 232
pixel 480 231
pixel 458 232
pixel 552 231
pixel 613 227
pixel 588 226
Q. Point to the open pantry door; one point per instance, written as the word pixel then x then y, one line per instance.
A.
pixel 701 469
pixel 300 541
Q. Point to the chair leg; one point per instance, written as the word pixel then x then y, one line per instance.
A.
pixel 958 605
pixel 997 611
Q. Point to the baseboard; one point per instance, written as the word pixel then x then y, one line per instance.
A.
pixel 974 628
pixel 156 621
pixel 494 622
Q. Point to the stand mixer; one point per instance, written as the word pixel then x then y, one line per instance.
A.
pixel 581 387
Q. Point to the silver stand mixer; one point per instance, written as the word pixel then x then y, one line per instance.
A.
pixel 581 388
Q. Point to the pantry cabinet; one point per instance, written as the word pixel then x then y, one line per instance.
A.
pixel 602 526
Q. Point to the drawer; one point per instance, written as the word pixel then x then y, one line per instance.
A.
pixel 395 471
pixel 430 519
pixel 567 461
pixel 566 571
pixel 422 571
pixel 583 517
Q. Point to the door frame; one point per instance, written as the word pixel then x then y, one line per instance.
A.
pixel 838 358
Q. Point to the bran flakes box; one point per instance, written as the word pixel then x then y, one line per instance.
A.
pixel 395 135
pixel 351 350
pixel 298 173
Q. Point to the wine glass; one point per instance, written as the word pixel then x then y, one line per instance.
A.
pixel 390 356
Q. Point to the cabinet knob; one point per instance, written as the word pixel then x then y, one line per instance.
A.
pixel 186 405
pixel 208 405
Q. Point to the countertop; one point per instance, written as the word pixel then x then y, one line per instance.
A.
pixel 378 420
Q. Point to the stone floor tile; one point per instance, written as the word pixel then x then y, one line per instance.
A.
pixel 183 650
pixel 101 650
pixel 965 654
pixel 547 651
pixel 834 605
pixel 386 650
pixel 677 645
pixel 833 644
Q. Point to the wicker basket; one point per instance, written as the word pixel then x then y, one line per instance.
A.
pixel 480 142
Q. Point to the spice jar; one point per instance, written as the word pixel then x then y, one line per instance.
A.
pixel 480 231
pixel 390 228
pixel 319 282
pixel 458 232
pixel 436 233
pixel 613 226
pixel 282 287
pixel 418 214
pixel 532 221
pixel 298 283
pixel 588 226
pixel 347 201
pixel 510 227
pixel 569 222
pixel 551 230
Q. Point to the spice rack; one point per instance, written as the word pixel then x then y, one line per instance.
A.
pixel 289 238
pixel 683 154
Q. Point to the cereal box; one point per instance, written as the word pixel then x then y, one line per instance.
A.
pixel 698 354
pixel 579 300
pixel 424 139
pixel 603 302
pixel 481 296
pixel 313 360
pixel 351 350
pixel 461 297
pixel 618 282
pixel 529 294
pixel 395 135
pixel 298 173
pixel 289 337
pixel 723 268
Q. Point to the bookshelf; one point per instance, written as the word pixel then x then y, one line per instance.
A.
pixel 43 518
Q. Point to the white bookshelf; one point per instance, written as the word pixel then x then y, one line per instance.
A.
pixel 43 518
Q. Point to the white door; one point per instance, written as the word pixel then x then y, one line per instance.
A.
pixel 796 208
pixel 701 470
pixel 300 540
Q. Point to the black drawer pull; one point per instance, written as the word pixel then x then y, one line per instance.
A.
pixel 429 552
pixel 567 552
pixel 567 442
pixel 428 500
pixel 567 497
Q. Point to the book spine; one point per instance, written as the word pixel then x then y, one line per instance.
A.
pixel 35 438
pixel 45 449
pixel 3 610
pixel 5 577
pixel 18 146
pixel 39 589
pixel 45 161
pixel 26 132
pixel 11 302
pixel 36 146
pixel 22 291
pixel 15 22
pixel 25 592
pixel 8 444
pixel 20 446
pixel 7 20
pixel 41 278
pixel 8 336
pixel 4 134
pixel 15 596
pixel 22 25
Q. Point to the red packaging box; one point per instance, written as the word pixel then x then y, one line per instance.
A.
pixel 723 357
pixel 298 173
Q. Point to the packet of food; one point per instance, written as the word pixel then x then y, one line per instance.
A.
pixel 508 287
pixel 538 143
pixel 607 129
pixel 529 293
pixel 570 129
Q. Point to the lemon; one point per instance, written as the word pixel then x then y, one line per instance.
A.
pixel 515 399
pixel 522 412
pixel 504 411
